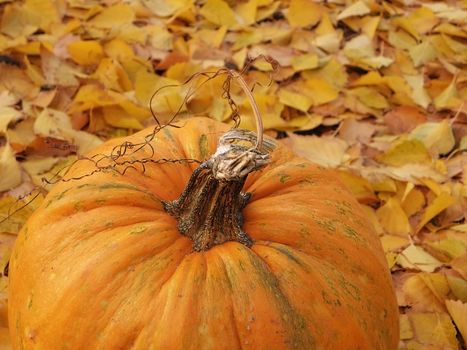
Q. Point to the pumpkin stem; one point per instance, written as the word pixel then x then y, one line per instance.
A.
pixel 209 210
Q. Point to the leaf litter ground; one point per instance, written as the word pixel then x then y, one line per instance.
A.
pixel 374 89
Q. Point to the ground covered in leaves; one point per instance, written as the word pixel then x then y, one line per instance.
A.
pixel 372 88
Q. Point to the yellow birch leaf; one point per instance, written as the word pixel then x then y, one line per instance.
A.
pixel 458 287
pixel 296 100
pixel 118 50
pixel 393 243
pixel 333 72
pixel 448 97
pixel 440 203
pixel 451 29
pixel 146 84
pixel 456 46
pixel 458 312
pixel 405 328
pixel 434 186
pixel 370 97
pixel 10 205
pixel 87 52
pixel 270 109
pixel 401 40
pixel 117 117
pixel 266 11
pixel 437 283
pixel 9 168
pixel 360 187
pixel 213 37
pixel 320 91
pixel 391 259
pixel 393 218
pixel 408 172
pixel 435 329
pixel 32 48
pixel 37 166
pixel 133 109
pixel 113 17
pixel 422 53
pixel 304 62
pixel 370 78
pixel 358 47
pixel 413 202
pixel 367 25
pixel 416 257
pixel 419 94
pixel 384 185
pixel 166 8
pixel 247 12
pixel 57 124
pixel 218 12
pixel 358 8
pixel 420 21
pixel 47 12
pixel 304 13
pixel 112 76
pixel 438 137
pixel 8 115
pixel 158 38
pixel 426 291
pixel 307 121
pixel 239 57
pixel 449 247
pixel 405 152
pixel 326 151
pixel 376 61
pixel 371 216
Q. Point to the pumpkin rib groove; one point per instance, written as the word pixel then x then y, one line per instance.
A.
pixel 234 318
pixel 292 322
pixel 333 322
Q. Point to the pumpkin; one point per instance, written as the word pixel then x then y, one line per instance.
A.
pixel 282 259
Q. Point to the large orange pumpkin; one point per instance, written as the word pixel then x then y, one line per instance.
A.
pixel 102 265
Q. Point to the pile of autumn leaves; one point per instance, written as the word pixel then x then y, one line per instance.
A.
pixel 377 88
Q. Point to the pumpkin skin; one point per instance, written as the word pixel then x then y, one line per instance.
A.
pixel 101 265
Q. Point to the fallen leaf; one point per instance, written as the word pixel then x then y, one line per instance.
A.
pixel 9 168
pixel 393 218
pixel 437 137
pixel 358 8
pixel 87 52
pixel 417 258
pixel 440 203
pixel 458 312
pixel 405 152
pixel 325 151
pixel 218 12
pixel 303 13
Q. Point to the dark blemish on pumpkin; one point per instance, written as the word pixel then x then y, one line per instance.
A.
pixel 349 288
pixel 100 201
pixel 168 134
pixel 302 165
pixel 127 187
pixel 30 301
pixel 328 300
pixel 307 181
pixel 285 250
pixel 78 206
pixel 297 330
pixel 328 224
pixel 203 146
pixel 109 224
pixel 57 197
pixel 284 178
